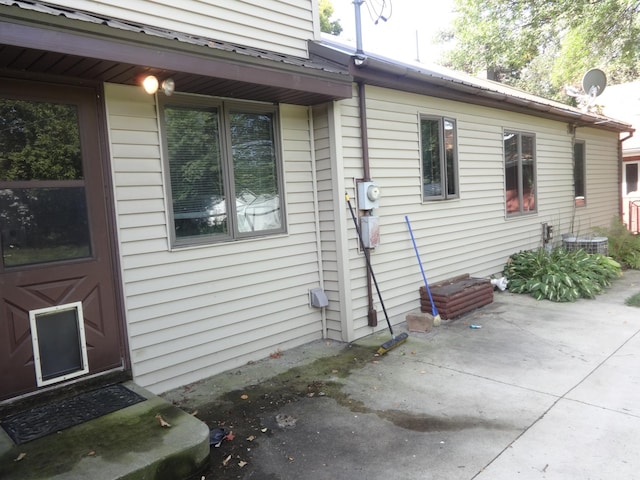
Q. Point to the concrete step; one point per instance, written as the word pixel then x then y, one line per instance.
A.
pixel 127 444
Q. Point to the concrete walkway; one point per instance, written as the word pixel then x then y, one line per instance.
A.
pixel 541 391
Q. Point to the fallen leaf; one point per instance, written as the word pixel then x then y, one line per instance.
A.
pixel 264 430
pixel 375 362
pixel 162 421
pixel 423 371
pixel 310 394
pixel 226 460
pixel 92 453
pixel 242 463
pixel 291 459
pixel 244 396
pixel 334 371
pixel 251 438
pixel 276 354
pixel 194 413
pixel 20 457
pixel 230 436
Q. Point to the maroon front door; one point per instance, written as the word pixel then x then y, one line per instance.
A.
pixel 54 229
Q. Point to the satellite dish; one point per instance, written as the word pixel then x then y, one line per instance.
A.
pixel 594 82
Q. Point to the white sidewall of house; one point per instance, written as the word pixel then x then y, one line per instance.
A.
pixel 195 312
pixel 470 234
pixel 276 25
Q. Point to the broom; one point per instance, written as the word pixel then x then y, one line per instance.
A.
pixel 395 341
pixel 434 310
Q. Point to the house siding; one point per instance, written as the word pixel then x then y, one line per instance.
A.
pixel 332 221
pixel 195 312
pixel 471 234
pixel 602 181
pixel 281 26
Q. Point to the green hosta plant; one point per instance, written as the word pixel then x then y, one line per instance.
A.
pixel 560 276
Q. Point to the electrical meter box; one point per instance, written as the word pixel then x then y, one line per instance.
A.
pixel 368 195
pixel 370 231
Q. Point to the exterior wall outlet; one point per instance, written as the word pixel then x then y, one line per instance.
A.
pixel 317 298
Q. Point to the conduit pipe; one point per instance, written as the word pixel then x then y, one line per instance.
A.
pixel 372 314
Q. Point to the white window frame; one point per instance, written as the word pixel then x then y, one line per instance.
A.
pixel 444 169
pixel 225 109
pixel 520 177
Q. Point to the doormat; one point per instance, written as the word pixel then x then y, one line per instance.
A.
pixel 56 416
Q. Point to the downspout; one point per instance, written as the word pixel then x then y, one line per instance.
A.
pixel 316 212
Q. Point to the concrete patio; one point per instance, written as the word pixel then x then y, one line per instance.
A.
pixel 541 391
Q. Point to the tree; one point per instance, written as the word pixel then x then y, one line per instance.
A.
pixel 541 46
pixel 326 25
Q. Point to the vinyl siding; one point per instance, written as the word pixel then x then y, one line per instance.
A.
pixel 282 26
pixel 195 312
pixel 471 234
pixel 332 222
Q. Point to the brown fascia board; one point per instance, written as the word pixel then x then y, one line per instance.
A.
pixel 61 35
pixel 398 77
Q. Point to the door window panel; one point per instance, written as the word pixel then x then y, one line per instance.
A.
pixel 43 208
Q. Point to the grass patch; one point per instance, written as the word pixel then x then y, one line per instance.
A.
pixel 633 301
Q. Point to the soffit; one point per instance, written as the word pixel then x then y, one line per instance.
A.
pixel 37 39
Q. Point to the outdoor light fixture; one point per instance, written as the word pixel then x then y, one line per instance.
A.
pixel 151 85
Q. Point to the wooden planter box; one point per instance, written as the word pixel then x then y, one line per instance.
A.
pixel 457 295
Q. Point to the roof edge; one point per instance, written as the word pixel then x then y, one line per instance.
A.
pixel 445 83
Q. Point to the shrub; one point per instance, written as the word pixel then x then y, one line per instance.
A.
pixel 560 276
pixel 633 301
pixel 624 246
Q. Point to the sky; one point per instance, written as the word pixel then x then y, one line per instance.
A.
pixel 406 35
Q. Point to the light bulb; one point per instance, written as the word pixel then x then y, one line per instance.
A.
pixel 150 84
pixel 168 86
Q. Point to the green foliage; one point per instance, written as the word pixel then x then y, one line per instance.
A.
pixel 633 301
pixel 542 46
pixel 326 24
pixel 560 276
pixel 39 141
pixel 624 246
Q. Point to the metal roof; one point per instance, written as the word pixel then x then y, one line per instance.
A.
pixel 435 80
pixel 39 38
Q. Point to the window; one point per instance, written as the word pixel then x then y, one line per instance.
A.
pixel 520 173
pixel 631 177
pixel 579 173
pixel 224 169
pixel 439 158
pixel 43 193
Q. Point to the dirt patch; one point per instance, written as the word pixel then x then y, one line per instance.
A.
pixel 240 411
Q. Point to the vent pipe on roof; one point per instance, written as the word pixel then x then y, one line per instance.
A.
pixel 357 4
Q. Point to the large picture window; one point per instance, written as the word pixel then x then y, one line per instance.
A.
pixel 520 173
pixel 579 174
pixel 439 158
pixel 224 170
